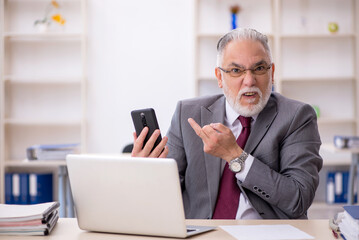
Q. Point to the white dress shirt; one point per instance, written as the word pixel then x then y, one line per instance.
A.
pixel 245 209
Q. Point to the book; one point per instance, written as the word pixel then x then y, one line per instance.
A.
pixel 349 224
pixel 346 141
pixel 31 227
pixel 37 219
pixel 353 211
pixel 51 151
pixel 19 213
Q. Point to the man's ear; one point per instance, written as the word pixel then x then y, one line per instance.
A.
pixel 273 69
pixel 219 77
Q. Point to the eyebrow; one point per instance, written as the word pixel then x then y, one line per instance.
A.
pixel 254 65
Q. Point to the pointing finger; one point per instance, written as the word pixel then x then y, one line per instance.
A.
pixel 197 128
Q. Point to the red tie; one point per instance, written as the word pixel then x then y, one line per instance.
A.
pixel 228 196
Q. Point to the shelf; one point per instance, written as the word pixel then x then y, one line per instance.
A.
pixel 59 36
pixel 336 162
pixel 37 122
pixel 323 210
pixel 317 79
pixel 46 1
pixel 34 164
pixel 219 35
pixel 324 205
pixel 324 35
pixel 323 120
pixel 214 79
pixel 34 80
pixel 332 149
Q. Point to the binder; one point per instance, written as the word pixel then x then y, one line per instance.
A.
pixel 16 188
pixel 337 187
pixel 24 188
pixel 40 188
pixel 8 189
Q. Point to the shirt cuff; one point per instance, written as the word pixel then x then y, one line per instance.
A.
pixel 241 176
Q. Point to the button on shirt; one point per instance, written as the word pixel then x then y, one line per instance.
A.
pixel 245 209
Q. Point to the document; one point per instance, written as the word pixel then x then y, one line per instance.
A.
pixel 35 219
pixel 267 232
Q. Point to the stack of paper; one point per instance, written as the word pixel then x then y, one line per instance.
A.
pixel 51 151
pixel 37 219
pixel 349 226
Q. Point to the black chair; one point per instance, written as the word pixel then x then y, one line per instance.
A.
pixel 128 148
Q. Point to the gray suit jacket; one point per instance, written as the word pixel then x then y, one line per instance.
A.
pixel 284 142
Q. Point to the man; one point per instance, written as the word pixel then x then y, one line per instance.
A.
pixel 248 154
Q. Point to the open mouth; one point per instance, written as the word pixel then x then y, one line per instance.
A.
pixel 249 94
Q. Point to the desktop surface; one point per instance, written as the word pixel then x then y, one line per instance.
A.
pixel 67 228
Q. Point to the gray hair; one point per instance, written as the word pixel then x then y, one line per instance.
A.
pixel 241 34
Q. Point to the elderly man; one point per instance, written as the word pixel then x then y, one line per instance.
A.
pixel 247 154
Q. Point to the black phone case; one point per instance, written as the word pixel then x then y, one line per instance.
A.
pixel 146 117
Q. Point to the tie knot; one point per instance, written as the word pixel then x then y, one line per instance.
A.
pixel 245 121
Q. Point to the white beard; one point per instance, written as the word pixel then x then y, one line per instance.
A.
pixel 252 110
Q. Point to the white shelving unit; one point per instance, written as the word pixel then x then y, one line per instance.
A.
pixel 42 82
pixel 211 22
pixel 319 67
pixel 312 64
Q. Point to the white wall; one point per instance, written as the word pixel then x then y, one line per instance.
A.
pixel 139 56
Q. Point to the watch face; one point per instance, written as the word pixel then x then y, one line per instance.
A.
pixel 236 166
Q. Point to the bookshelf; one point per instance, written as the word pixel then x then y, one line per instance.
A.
pixel 42 83
pixel 308 57
pixel 312 64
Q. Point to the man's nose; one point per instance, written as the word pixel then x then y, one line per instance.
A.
pixel 249 78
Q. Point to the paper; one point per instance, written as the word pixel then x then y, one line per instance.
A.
pixel 265 232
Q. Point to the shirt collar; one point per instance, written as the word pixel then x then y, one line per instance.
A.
pixel 232 115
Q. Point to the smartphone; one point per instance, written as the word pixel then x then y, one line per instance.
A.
pixel 146 118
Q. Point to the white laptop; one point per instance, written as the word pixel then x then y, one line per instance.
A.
pixel 128 195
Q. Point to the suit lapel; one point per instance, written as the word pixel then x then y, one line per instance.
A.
pixel 261 126
pixel 213 114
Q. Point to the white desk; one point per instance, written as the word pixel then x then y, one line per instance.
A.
pixel 67 229
pixel 354 166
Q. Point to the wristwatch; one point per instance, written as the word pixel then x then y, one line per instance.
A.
pixel 236 165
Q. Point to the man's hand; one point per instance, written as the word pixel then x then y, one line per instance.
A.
pixel 218 140
pixel 160 151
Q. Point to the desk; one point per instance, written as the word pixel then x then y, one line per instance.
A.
pixel 67 229
pixel 354 167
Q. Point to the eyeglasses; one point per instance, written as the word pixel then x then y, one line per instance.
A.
pixel 238 72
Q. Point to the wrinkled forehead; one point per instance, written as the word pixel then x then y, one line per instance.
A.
pixel 245 52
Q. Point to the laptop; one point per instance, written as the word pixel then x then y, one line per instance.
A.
pixel 121 194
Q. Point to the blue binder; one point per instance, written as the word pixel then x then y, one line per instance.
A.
pixel 41 188
pixel 24 188
pixel 9 199
pixel 16 188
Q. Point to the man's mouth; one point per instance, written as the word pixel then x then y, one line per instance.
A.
pixel 249 94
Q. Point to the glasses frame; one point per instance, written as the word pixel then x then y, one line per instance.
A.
pixel 244 71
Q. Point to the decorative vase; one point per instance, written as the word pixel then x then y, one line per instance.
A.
pixel 234 20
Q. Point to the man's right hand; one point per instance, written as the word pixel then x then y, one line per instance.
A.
pixel 161 151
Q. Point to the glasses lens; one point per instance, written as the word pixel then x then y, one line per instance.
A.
pixel 260 70
pixel 236 72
